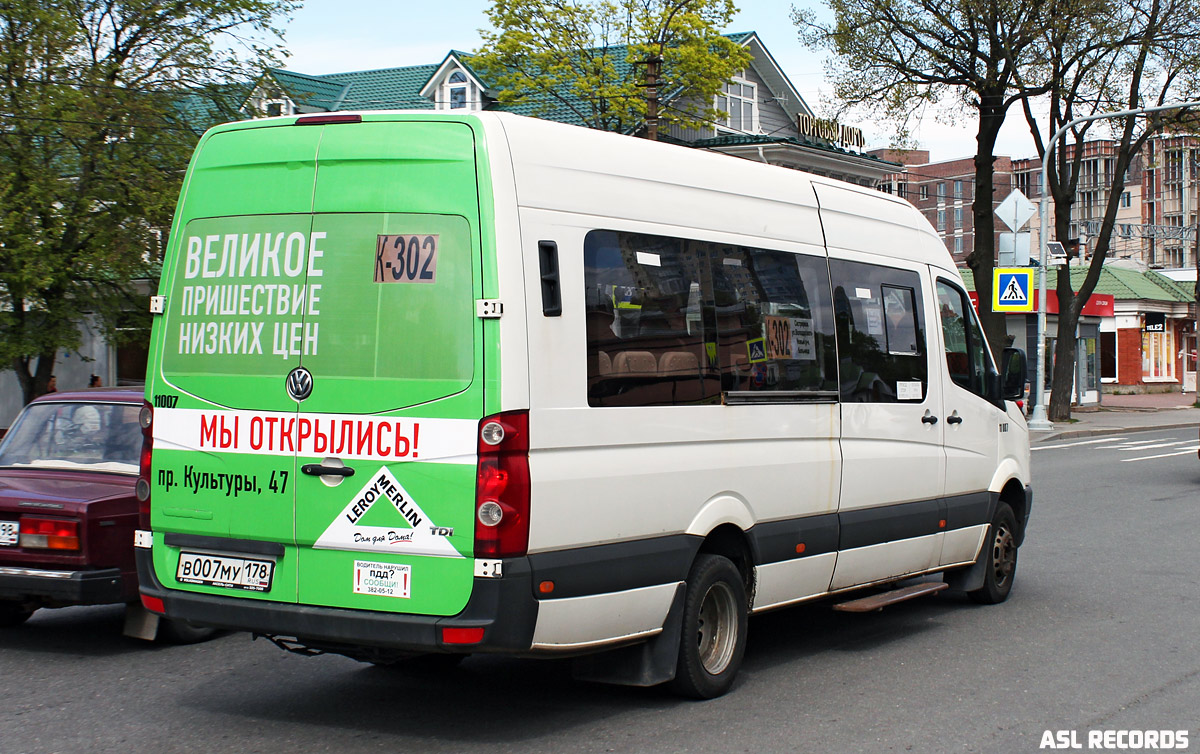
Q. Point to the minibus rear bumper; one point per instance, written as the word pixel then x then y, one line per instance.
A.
pixel 503 607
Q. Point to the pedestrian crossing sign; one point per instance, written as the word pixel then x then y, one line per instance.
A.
pixel 1012 289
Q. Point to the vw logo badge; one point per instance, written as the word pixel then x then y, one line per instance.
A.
pixel 299 383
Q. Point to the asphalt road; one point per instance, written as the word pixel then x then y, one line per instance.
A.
pixel 1100 633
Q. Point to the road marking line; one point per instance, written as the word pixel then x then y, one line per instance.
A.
pixel 1150 447
pixel 1184 452
pixel 1073 444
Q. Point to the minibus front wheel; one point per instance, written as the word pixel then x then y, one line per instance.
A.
pixel 713 639
pixel 999 557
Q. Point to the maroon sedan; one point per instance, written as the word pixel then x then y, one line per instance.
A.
pixel 68 467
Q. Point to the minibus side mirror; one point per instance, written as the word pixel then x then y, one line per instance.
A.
pixel 1012 374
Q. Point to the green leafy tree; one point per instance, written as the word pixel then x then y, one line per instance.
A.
pixel 609 63
pixel 893 58
pixel 101 103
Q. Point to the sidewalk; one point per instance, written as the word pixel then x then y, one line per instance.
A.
pixel 1126 413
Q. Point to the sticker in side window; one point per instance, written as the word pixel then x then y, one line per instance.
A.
pixel 406 259
pixel 908 391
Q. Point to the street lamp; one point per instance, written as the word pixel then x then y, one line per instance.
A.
pixel 1039 420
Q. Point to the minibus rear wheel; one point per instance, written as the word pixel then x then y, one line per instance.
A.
pixel 1000 553
pixel 714 628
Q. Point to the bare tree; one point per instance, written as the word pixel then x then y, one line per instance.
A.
pixel 894 57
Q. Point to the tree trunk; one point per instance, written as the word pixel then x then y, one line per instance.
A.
pixel 982 259
pixel 1064 356
pixel 34 383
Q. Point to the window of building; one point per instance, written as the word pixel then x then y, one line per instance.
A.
pixel 739 100
pixel 941 220
pixel 958 217
pixel 958 189
pixel 967 356
pixel 958 245
pixel 924 190
pixel 1158 355
pixel 458 90
pixel 941 191
pixel 1126 199
pixel 872 304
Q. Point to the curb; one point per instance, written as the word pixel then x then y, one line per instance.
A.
pixel 1071 434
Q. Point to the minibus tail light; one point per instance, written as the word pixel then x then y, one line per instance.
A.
pixel 502 486
pixel 142 489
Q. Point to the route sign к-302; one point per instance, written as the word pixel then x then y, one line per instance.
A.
pixel 1012 289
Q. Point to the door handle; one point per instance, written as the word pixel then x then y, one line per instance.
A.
pixel 954 418
pixel 316 469
pixel 928 418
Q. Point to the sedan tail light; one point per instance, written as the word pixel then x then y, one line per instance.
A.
pixel 49 533
pixel 142 490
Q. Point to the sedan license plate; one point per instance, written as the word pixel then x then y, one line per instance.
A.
pixel 253 574
pixel 9 532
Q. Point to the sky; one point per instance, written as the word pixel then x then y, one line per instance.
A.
pixel 332 36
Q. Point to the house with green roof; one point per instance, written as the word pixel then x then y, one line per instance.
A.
pixel 1137 331
pixel 767 120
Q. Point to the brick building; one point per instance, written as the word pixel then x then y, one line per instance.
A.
pixel 944 192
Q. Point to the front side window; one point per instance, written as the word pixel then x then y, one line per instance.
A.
pixel 880 333
pixel 967 355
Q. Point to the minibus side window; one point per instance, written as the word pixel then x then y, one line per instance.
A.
pixel 880 334
pixel 966 356
pixel 649 321
pixel 775 322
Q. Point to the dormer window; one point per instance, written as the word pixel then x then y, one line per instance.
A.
pixel 457 84
pixel 739 99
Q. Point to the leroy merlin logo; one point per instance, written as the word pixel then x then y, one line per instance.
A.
pixel 369 523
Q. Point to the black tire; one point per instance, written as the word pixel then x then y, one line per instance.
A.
pixel 713 637
pixel 182 632
pixel 13 614
pixel 1000 558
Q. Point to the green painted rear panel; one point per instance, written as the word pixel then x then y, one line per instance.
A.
pixel 396 359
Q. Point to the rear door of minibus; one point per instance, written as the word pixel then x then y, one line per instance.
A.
pixel 354 418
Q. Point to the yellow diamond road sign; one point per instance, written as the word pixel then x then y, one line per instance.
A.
pixel 1012 289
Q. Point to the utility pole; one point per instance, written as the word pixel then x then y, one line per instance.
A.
pixel 652 67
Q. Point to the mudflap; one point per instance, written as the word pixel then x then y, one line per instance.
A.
pixel 140 623
pixel 969 579
pixel 647 664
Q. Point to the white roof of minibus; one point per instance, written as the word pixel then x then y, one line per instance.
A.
pixel 575 169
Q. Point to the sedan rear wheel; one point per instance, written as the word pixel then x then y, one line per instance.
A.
pixel 13 614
